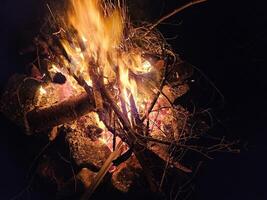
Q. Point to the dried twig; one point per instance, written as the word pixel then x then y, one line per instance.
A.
pixel 177 10
pixel 154 101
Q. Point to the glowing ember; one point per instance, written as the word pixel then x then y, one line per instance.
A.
pixel 42 91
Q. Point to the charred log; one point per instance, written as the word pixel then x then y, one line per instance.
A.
pixel 66 111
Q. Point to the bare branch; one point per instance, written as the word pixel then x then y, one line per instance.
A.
pixel 177 10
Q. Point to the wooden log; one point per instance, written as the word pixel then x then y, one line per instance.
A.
pixel 63 112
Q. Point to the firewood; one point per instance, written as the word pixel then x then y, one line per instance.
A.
pixel 132 138
pixel 131 135
pixel 66 111
pixel 102 172
pixel 18 101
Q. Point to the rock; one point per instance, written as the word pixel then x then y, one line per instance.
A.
pixel 85 151
pixel 126 174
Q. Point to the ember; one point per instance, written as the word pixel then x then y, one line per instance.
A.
pixel 109 88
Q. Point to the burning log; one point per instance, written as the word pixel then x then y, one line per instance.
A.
pixel 63 112
pixel 19 103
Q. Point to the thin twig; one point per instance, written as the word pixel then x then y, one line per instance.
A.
pixel 177 10
pixel 154 101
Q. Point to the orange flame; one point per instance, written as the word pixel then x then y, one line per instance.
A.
pixel 95 32
pixel 99 31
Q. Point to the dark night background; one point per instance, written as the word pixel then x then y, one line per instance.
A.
pixel 227 40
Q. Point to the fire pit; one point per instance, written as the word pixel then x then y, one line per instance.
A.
pixel 107 91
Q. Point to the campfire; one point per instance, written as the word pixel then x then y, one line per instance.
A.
pixel 110 89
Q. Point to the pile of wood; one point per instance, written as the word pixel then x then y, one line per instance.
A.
pixel 140 150
pixel 71 117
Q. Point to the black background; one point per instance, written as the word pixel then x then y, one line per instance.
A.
pixel 227 40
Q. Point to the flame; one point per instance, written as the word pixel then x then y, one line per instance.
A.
pixel 95 33
pixel 99 122
pixel 106 136
pixel 100 29
pixel 98 36
pixel 95 36
pixel 105 139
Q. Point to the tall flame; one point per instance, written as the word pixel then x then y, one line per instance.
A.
pixel 100 30
pixel 95 31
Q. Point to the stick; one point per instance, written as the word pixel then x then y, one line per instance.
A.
pixel 177 10
pixel 154 101
pixel 102 172
pixel 134 112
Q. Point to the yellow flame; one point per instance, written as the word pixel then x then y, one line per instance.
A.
pixel 99 122
pixel 101 28
pixel 98 36
pixel 54 69
pixel 103 140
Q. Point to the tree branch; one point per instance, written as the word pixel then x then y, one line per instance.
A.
pixel 177 10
